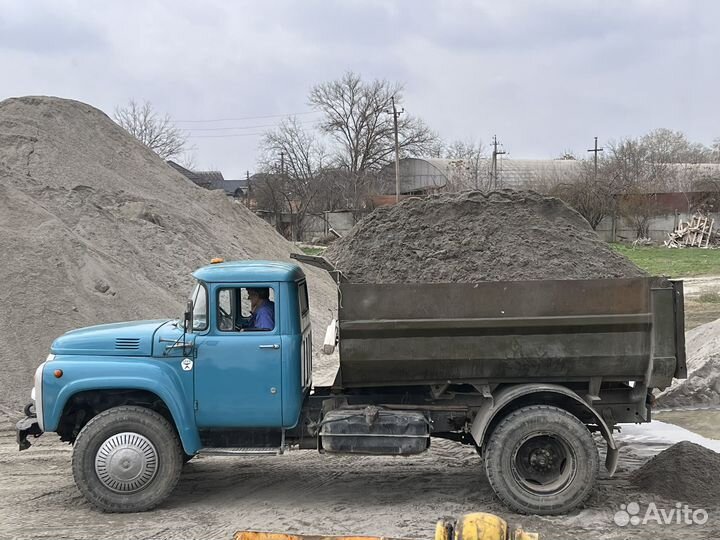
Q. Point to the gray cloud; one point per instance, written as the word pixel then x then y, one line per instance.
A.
pixel 545 76
pixel 43 28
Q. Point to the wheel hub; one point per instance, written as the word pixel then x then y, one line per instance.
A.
pixel 543 464
pixel 126 462
pixel 541 459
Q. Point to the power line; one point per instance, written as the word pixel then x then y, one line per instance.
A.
pixel 246 127
pixel 240 119
pixel 226 136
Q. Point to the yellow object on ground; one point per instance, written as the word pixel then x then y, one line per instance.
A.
pixel 479 526
pixel 476 526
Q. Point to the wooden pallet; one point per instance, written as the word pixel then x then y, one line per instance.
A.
pixel 695 233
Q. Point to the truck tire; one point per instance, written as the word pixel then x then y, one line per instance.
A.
pixel 127 459
pixel 541 460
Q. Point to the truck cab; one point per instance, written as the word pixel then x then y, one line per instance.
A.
pixel 247 376
pixel 206 381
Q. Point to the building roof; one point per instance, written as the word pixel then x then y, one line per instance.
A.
pixel 249 272
pixel 211 179
pixel 526 173
pixel 429 174
pixel 419 174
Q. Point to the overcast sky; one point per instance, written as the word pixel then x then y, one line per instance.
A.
pixel 546 76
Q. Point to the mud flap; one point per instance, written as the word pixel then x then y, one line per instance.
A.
pixel 25 427
pixel 611 459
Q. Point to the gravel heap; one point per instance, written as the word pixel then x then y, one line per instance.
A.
pixel 702 385
pixel 94 228
pixel 472 236
pixel 685 472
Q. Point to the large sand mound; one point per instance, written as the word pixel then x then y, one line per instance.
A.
pixel 702 386
pixel 468 237
pixel 685 472
pixel 94 227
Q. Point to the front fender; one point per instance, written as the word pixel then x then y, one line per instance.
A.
pixel 162 377
pixel 503 398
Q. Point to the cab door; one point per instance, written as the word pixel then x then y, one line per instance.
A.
pixel 238 371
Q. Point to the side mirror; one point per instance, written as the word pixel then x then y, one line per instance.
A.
pixel 187 322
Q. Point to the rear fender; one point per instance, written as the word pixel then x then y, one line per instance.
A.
pixel 512 397
pixel 174 387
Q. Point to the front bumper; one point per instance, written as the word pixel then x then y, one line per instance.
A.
pixel 25 427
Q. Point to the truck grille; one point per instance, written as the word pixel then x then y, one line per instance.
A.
pixel 127 344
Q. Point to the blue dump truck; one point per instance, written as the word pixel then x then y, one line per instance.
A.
pixel 533 375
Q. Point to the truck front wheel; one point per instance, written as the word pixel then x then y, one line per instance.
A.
pixel 541 460
pixel 127 459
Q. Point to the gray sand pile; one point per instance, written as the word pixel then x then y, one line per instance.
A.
pixel 94 227
pixel 468 237
pixel 702 386
pixel 685 472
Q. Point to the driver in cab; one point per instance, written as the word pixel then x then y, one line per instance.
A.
pixel 262 309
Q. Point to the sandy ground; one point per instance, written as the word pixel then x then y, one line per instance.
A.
pixel 304 492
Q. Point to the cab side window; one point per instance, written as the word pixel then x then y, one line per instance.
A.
pixel 246 309
pixel 303 297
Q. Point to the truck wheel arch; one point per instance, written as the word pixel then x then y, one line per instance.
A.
pixel 101 399
pixel 511 398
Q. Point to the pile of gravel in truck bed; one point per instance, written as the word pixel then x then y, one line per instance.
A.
pixel 504 235
pixel 685 472
pixel 95 228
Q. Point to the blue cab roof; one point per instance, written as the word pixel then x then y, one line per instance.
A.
pixel 249 271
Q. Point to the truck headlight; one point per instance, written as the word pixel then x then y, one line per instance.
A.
pixel 37 395
pixel 32 394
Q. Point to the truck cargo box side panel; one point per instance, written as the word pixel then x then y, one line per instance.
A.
pixel 494 299
pixel 434 360
pixel 501 331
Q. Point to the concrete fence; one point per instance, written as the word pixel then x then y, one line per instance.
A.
pixel 618 229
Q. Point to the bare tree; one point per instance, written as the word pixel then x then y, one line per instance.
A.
pixel 566 155
pixel 269 194
pixel 293 160
pixel 668 146
pixel 639 208
pixel 355 116
pixel 467 165
pixel 641 170
pixel 592 197
pixel 715 151
pixel 156 132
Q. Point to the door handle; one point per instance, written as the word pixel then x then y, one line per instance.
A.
pixel 177 345
pixel 273 346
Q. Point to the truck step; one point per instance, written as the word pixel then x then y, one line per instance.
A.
pixel 241 451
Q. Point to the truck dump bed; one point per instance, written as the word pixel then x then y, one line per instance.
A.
pixel 496 332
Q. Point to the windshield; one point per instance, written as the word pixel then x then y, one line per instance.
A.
pixel 199 300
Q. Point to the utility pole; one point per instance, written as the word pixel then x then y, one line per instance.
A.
pixel 395 114
pixel 493 163
pixel 595 151
pixel 248 193
pixel 290 209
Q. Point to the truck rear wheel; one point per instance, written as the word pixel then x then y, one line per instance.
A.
pixel 541 460
pixel 127 459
